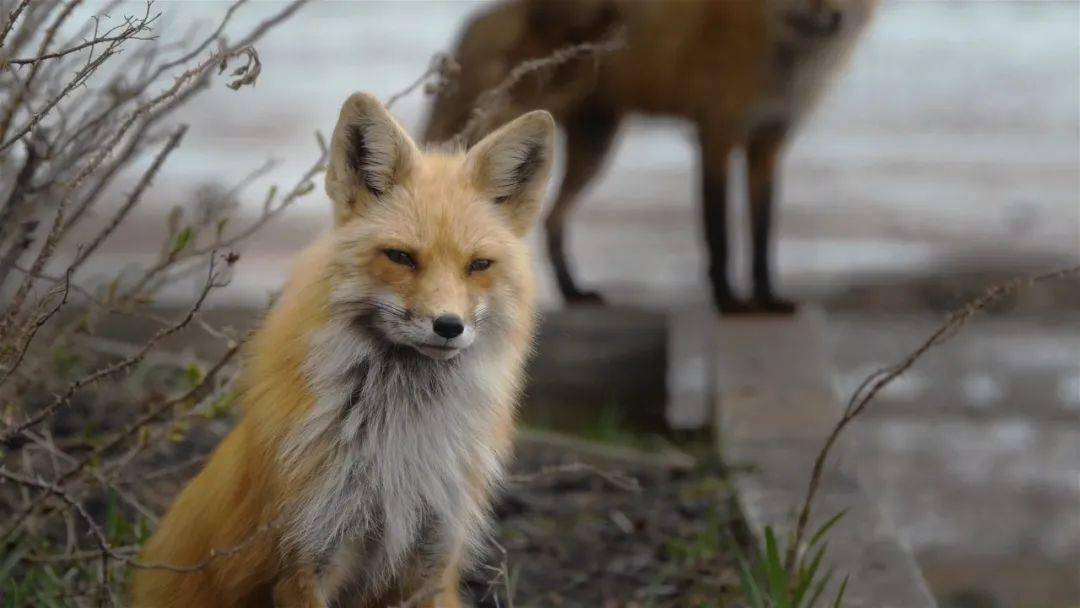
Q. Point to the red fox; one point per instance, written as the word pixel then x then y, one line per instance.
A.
pixel 379 394
pixel 743 71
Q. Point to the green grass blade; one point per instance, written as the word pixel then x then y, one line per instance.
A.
pixel 749 587
pixel 12 559
pixel 840 594
pixel 774 570
pixel 824 529
pixel 819 588
pixel 807 576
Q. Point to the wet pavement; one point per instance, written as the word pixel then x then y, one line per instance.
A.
pixel 976 452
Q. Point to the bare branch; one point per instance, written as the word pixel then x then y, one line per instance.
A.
pixel 77 48
pixel 878 380
pixel 106 548
pixel 492 100
pixel 12 17
pixel 616 479
pixel 91 66
pixel 442 67
pixel 302 187
pixel 195 52
pixel 106 148
pixel 62 399
pixel 133 198
pixel 155 413
pixel 33 328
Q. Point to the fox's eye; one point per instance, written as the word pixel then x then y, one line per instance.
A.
pixel 479 265
pixel 398 256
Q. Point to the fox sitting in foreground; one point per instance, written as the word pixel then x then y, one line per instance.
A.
pixel 379 394
pixel 745 72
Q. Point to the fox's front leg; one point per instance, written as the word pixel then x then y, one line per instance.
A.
pixel 300 589
pixel 450 597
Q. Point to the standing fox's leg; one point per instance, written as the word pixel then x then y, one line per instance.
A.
pixel 762 159
pixel 589 132
pixel 715 149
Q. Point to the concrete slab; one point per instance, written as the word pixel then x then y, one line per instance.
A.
pixel 690 367
pixel 773 378
pixel 598 366
pixel 775 404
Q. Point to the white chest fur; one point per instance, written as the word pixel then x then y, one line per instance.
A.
pixel 403 443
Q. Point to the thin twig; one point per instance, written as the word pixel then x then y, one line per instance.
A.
pixel 878 380
pixel 171 257
pixel 489 102
pixel 133 198
pixel 77 48
pixel 616 479
pixel 115 368
pixel 12 17
pixel 138 314
pixel 155 413
pixel 441 65
pixel 107 549
pixel 32 330
pixel 195 73
pixel 81 77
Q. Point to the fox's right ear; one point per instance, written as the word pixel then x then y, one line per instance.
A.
pixel 370 154
pixel 512 165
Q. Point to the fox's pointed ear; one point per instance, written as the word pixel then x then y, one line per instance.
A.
pixel 369 154
pixel 512 166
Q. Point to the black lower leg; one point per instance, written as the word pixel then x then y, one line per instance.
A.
pixel 556 252
pixel 762 155
pixel 714 207
pixel 761 227
pixel 715 148
pixel 589 133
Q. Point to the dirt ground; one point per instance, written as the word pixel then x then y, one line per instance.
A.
pixel 576 536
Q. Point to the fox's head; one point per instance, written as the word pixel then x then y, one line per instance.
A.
pixel 430 249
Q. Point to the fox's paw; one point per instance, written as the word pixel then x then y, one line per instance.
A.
pixel 733 306
pixel 774 306
pixel 760 306
pixel 585 298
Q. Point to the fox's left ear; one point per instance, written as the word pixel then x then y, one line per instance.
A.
pixel 512 166
pixel 370 154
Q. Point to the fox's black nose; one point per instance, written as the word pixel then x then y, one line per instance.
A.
pixel 448 326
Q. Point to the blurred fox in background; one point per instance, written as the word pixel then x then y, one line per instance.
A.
pixel 744 71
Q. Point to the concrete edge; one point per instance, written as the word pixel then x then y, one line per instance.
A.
pixel 761 373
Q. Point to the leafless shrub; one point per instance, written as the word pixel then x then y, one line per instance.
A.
pixel 86 428
pixel 77 112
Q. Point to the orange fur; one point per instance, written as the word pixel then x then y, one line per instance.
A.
pixel 442 208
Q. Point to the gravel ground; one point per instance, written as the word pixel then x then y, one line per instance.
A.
pixel 585 538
